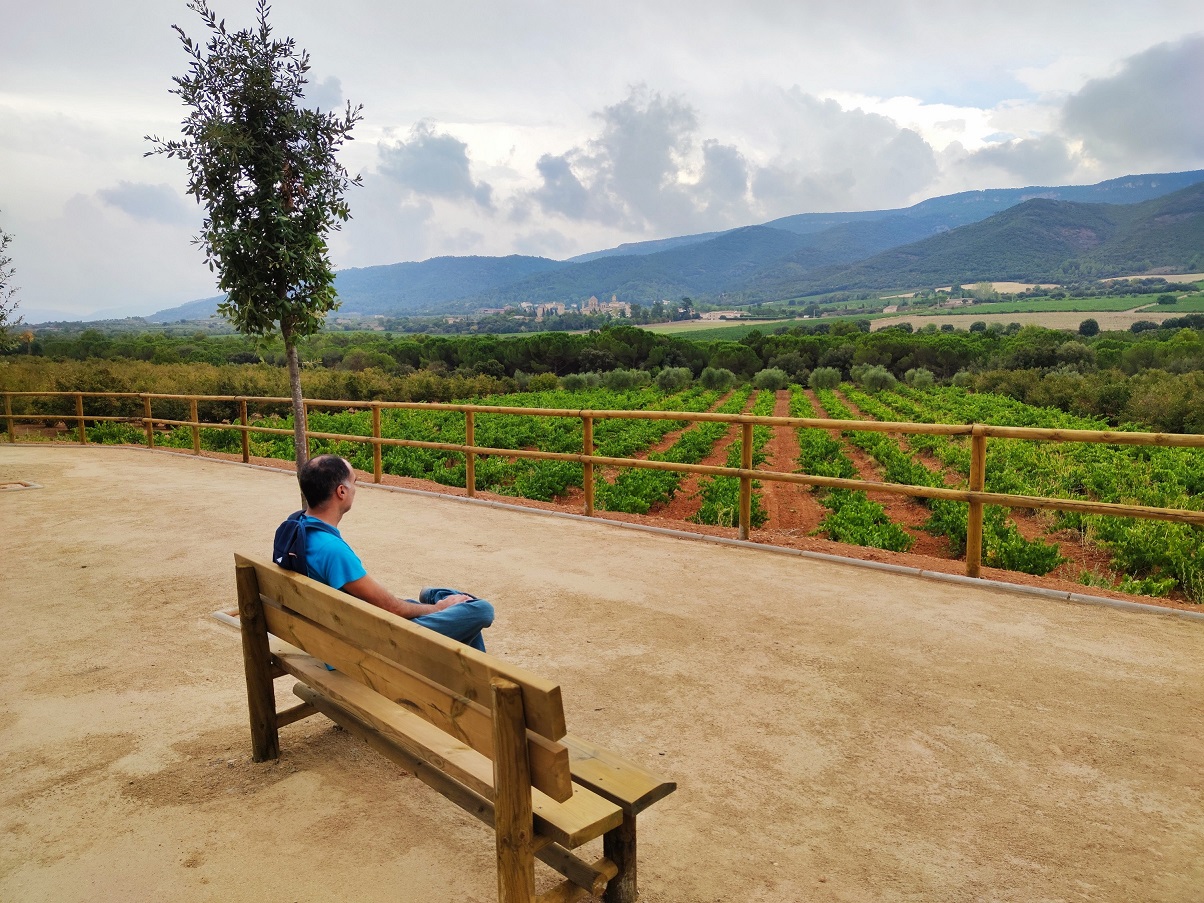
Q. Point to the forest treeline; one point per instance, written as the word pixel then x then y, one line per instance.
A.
pixel 1152 377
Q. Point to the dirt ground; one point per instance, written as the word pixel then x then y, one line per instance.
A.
pixel 837 733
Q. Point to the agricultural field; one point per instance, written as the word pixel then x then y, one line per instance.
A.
pixel 1109 321
pixel 1146 557
pixel 1047 305
pixel 1190 304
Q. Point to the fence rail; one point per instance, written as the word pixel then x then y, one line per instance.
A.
pixel 975 496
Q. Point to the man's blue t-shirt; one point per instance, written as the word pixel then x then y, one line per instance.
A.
pixel 327 555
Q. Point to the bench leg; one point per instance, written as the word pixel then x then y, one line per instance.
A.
pixel 512 796
pixel 618 845
pixel 257 660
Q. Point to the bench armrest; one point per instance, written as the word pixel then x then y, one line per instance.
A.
pixel 627 785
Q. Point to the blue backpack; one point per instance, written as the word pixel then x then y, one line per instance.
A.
pixel 288 548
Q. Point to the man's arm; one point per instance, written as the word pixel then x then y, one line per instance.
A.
pixel 373 593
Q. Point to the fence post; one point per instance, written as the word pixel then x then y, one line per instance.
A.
pixel 196 426
pixel 745 482
pixel 79 413
pixel 587 448
pixel 470 458
pixel 377 470
pixel 246 437
pixel 148 422
pixel 978 479
pixel 8 417
pixel 305 429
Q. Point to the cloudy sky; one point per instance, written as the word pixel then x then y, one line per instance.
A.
pixel 552 128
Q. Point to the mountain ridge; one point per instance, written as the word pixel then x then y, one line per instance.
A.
pixel 800 254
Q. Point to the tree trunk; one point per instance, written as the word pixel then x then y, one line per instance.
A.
pixel 294 382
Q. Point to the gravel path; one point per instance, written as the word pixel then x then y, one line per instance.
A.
pixel 837 733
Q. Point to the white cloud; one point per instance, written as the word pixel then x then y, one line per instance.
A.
pixel 542 147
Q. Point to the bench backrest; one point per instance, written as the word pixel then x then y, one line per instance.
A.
pixel 443 681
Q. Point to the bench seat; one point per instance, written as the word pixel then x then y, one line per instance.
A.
pixel 487 734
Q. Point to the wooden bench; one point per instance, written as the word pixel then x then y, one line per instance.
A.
pixel 489 736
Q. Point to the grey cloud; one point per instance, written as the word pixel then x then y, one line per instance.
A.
pixel 1149 111
pixel 464 241
pixel 638 172
pixel 544 243
pixel 561 192
pixel 1035 161
pixel 784 190
pixel 629 174
pixel 389 225
pixel 642 149
pixel 840 159
pixel 724 182
pixel 434 165
pixel 156 203
pixel 325 95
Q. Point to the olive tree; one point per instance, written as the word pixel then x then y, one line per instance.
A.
pixel 264 168
pixel 8 294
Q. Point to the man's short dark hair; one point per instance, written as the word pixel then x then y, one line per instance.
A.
pixel 320 477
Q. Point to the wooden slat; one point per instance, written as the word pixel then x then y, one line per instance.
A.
pixel 624 783
pixel 460 668
pixel 453 714
pixel 257 665
pixel 512 797
pixel 591 877
pixel 574 822
pixel 296 713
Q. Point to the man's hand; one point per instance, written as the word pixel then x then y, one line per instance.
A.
pixel 370 591
pixel 449 601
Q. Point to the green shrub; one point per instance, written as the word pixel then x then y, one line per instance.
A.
pixel 674 379
pixel 875 379
pixel 623 380
pixel 919 378
pixel 824 378
pixel 717 379
pixel 543 382
pixel 963 379
pixel 771 378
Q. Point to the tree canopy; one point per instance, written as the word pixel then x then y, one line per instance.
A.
pixel 8 293
pixel 264 167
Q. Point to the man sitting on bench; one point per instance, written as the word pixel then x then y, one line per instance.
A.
pixel 328 484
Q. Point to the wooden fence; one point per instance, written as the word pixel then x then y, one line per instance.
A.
pixel 975 496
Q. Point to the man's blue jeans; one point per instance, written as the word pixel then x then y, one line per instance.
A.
pixel 463 622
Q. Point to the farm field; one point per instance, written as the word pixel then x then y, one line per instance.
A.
pixel 1108 320
pixel 1129 556
pixel 706 330
pixel 1058 305
pixel 1192 304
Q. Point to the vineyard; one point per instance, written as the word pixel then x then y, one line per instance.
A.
pixel 1143 556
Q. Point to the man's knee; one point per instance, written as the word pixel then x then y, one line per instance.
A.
pixel 480 610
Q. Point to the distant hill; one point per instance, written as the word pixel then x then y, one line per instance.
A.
pixel 1039 240
pixel 427 287
pixel 966 207
pixel 639 248
pixel 698 269
pixel 811 253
